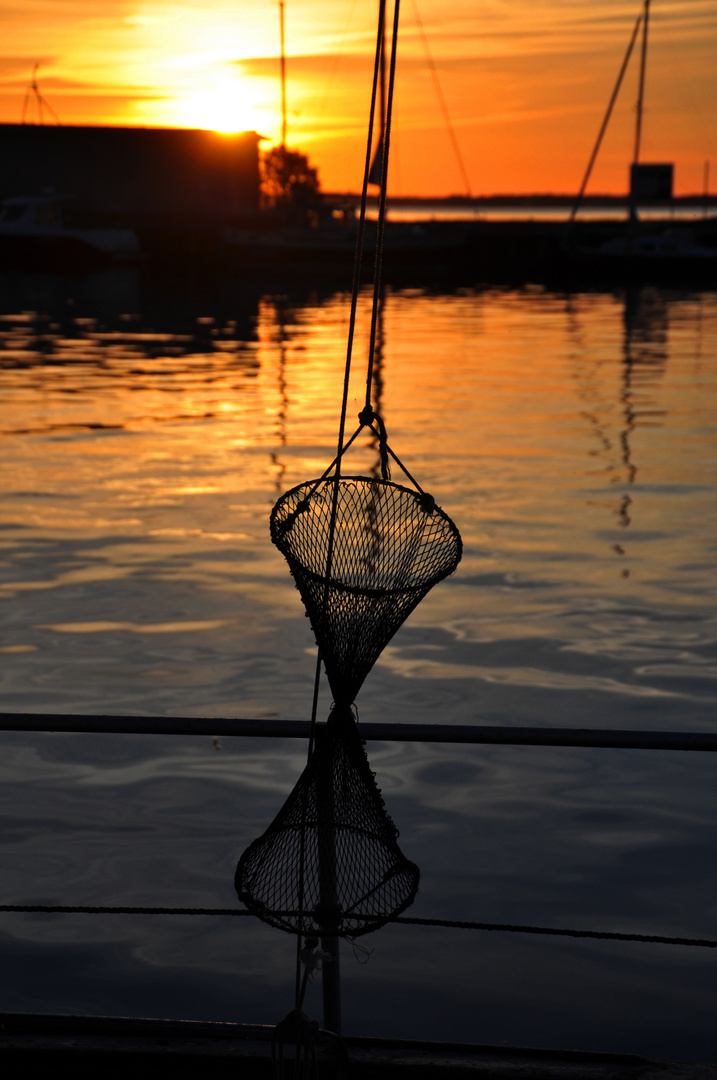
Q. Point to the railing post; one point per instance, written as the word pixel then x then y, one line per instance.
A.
pixel 328 899
pixel 331 985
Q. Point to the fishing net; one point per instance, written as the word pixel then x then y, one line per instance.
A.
pixel 390 546
pixel 329 864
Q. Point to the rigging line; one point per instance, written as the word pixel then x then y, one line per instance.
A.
pixel 382 202
pixel 405 471
pixel 361 233
pixel 33 93
pixel 405 920
pixel 315 484
pixel 606 121
pixel 339 452
pixel 442 101
pixel 337 56
pixel 354 301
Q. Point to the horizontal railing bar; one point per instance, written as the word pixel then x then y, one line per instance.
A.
pixel 502 735
pixel 447 924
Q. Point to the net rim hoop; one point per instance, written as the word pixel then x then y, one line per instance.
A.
pixel 376 480
pixel 277 532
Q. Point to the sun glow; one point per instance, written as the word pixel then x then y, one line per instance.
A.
pixel 215 65
pixel 229 103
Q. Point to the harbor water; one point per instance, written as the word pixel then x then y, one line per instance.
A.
pixel 147 429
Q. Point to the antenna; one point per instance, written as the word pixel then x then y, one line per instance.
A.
pixel 33 94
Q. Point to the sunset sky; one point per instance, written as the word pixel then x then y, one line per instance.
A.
pixel 526 82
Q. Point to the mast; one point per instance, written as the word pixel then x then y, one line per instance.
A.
pixel 641 90
pixel 376 172
pixel 606 121
pixel 284 173
pixel 382 87
pixel 283 75
pixel 632 215
pixel 33 94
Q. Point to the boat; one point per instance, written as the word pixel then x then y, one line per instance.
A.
pixel 325 236
pixel 38 232
pixel 653 250
pixel 179 1049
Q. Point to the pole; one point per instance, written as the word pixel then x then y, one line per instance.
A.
pixel 641 90
pixel 382 99
pixel 283 74
pixel 638 117
pixel 331 985
pixel 330 968
pixel 606 121
pixel 282 63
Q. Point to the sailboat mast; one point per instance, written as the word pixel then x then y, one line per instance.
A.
pixel 641 90
pixel 283 74
pixel 382 131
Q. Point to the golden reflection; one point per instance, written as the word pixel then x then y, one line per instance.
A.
pixel 101 627
pixel 644 358
pixel 643 352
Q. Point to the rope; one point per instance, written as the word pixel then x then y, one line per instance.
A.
pixel 381 225
pixel 450 924
pixel 299 986
pixel 442 102
pixel 360 237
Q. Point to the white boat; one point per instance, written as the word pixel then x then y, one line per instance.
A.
pixel 37 231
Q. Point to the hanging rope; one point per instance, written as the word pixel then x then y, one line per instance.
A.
pixel 381 226
pixel 363 551
pixel 358 260
pixel 300 986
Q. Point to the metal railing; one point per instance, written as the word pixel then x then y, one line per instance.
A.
pixel 256 727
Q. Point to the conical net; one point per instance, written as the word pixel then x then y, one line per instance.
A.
pixel 390 546
pixel 329 863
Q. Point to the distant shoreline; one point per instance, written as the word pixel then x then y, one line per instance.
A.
pixel 520 200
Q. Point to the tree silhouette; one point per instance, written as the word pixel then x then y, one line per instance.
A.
pixel 287 177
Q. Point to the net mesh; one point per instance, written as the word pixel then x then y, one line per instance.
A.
pixel 329 863
pixel 391 545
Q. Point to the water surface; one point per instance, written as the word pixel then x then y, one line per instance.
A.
pixel 147 430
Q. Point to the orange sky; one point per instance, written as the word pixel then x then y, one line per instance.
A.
pixel 526 82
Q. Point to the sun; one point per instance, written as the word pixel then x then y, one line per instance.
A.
pixel 229 103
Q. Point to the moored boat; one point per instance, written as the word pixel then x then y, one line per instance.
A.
pixel 37 231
